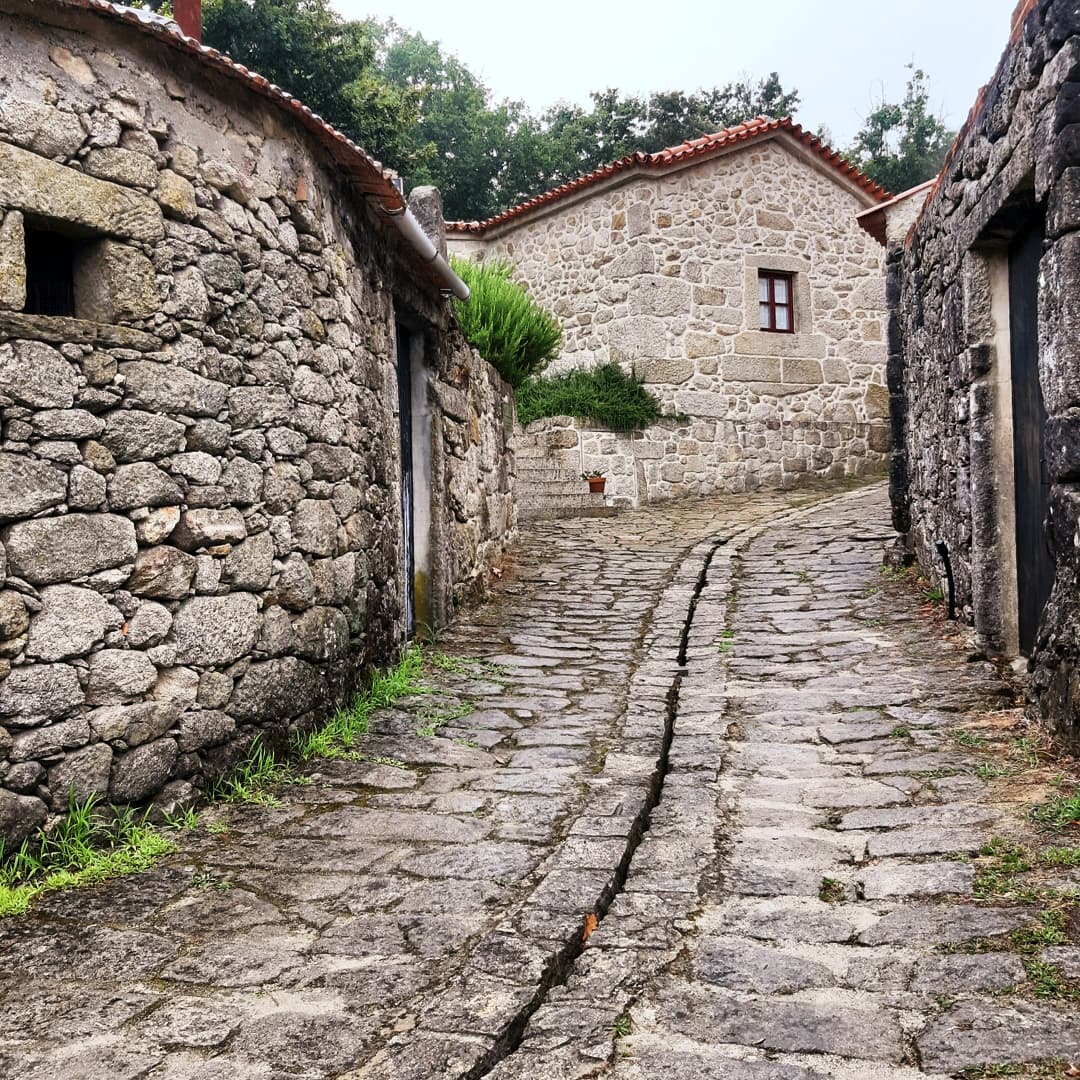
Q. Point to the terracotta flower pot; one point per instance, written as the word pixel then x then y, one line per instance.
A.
pixel 596 484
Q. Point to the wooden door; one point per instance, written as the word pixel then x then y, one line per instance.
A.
pixel 1034 565
pixel 404 381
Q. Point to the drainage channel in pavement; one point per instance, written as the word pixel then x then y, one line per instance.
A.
pixel 562 963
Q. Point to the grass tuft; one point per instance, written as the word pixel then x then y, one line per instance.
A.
pixel 86 847
pixel 247 783
pixel 831 891
pixel 1059 812
pixel 437 718
pixel 338 737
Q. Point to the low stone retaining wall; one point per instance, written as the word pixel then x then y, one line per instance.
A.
pixel 701 457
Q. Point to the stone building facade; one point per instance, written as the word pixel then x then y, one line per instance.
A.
pixel 205 321
pixel 984 362
pixel 655 263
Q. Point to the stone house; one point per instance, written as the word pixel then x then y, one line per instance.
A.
pixel 730 273
pixel 984 362
pixel 244 450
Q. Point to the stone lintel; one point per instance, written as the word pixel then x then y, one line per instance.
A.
pixel 44 189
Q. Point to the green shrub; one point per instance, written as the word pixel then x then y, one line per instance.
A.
pixel 605 395
pixel 505 326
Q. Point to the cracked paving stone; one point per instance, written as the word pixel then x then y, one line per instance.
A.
pixel 980 1033
pixel 812 945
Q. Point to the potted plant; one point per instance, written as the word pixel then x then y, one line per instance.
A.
pixel 595 480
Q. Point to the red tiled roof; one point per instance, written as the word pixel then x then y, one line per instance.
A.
pixel 873 220
pixel 360 168
pixel 759 127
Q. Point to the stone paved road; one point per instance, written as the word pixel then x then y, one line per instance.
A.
pixel 801 906
pixel 687 719
pixel 395 916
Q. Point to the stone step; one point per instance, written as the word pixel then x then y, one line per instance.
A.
pixel 533 505
pixel 561 510
pixel 541 475
pixel 569 489
pixel 545 454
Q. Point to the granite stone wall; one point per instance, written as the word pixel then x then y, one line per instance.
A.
pixel 659 274
pixel 200 512
pixel 1017 161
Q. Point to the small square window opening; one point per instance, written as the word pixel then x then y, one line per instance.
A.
pixel 50 273
pixel 776 302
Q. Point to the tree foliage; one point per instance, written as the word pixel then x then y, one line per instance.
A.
pixel 329 63
pixel 901 145
pixel 422 112
pixel 584 139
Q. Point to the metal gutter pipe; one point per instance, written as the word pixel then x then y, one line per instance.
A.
pixel 421 243
pixel 943 551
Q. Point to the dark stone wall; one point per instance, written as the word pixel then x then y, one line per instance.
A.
pixel 200 519
pixel 1017 158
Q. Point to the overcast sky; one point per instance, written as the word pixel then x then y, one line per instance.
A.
pixel 840 54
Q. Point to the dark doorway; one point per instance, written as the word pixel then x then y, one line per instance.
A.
pixel 1034 564
pixel 404 381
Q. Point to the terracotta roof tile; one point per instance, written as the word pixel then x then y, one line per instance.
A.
pixel 759 127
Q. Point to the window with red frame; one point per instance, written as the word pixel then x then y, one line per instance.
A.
pixel 776 299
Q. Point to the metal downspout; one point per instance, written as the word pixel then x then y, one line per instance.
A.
pixel 421 243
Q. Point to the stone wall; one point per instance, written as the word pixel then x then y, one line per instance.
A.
pixel 659 274
pixel 200 512
pixel 1016 161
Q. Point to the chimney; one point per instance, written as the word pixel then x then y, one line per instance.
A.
pixel 188 15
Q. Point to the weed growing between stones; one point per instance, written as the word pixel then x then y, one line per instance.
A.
pixel 1048 981
pixel 998 879
pixel 207 880
pixel 185 819
pixel 337 738
pixel 437 718
pixel 991 771
pixel 452 664
pixel 1059 812
pixel 247 783
pixel 1008 877
pixel 1047 1070
pixel 86 847
pixel 831 890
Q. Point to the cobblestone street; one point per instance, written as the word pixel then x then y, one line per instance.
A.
pixel 687 802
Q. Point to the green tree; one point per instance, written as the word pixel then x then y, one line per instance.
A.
pixel 673 117
pixel 901 145
pixel 582 140
pixel 462 142
pixel 425 114
pixel 327 62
